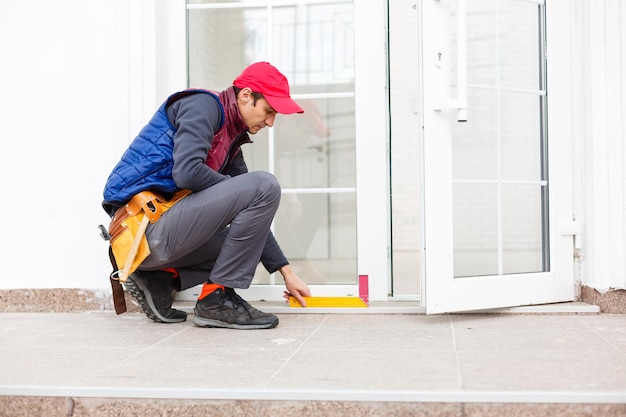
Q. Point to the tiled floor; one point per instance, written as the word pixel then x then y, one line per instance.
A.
pixel 348 357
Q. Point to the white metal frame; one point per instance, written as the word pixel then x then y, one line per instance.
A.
pixel 157 67
pixel 372 146
pixel 150 83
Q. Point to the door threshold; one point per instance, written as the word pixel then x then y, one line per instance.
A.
pixel 278 307
pixel 409 307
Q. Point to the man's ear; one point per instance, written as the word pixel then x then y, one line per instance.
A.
pixel 245 94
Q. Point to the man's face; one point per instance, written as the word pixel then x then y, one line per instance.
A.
pixel 255 116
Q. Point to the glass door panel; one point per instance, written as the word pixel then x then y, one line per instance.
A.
pixel 522 229
pixel 406 168
pixel 312 154
pixel 498 169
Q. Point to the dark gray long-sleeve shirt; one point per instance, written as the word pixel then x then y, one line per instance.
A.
pixel 197 117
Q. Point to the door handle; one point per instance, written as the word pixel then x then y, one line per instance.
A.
pixel 460 102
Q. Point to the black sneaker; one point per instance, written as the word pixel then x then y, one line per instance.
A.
pixel 224 308
pixel 154 292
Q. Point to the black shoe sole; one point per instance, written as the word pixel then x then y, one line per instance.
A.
pixel 137 289
pixel 203 322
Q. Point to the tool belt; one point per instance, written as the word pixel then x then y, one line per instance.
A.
pixel 128 244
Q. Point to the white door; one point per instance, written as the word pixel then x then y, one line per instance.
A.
pixel 496 146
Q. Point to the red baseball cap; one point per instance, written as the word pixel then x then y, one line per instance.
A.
pixel 264 78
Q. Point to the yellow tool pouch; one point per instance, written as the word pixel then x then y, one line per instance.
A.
pixel 126 221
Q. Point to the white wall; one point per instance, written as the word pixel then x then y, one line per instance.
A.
pixel 75 84
pixel 62 73
pixel 79 78
pixel 599 114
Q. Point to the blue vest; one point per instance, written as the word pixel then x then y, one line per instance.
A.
pixel 148 161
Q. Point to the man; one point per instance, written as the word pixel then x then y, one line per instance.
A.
pixel 218 233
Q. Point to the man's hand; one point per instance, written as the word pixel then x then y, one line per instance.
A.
pixel 295 286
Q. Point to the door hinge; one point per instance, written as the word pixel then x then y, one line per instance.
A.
pixel 572 228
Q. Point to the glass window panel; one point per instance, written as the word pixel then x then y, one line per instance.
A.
pixel 502 43
pixel 475 229
pixel 316 149
pixel 502 141
pixel 474 143
pixel 314 46
pixel 316 232
pixel 222 42
pixel 481 20
pixel 521 229
pixel 520 136
pixel 518 44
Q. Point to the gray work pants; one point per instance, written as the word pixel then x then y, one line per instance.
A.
pixel 216 234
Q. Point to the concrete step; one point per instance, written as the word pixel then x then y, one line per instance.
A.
pixel 106 407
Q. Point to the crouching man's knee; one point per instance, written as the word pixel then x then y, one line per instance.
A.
pixel 268 185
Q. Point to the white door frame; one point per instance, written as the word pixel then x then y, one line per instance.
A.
pixel 372 150
pixel 371 109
